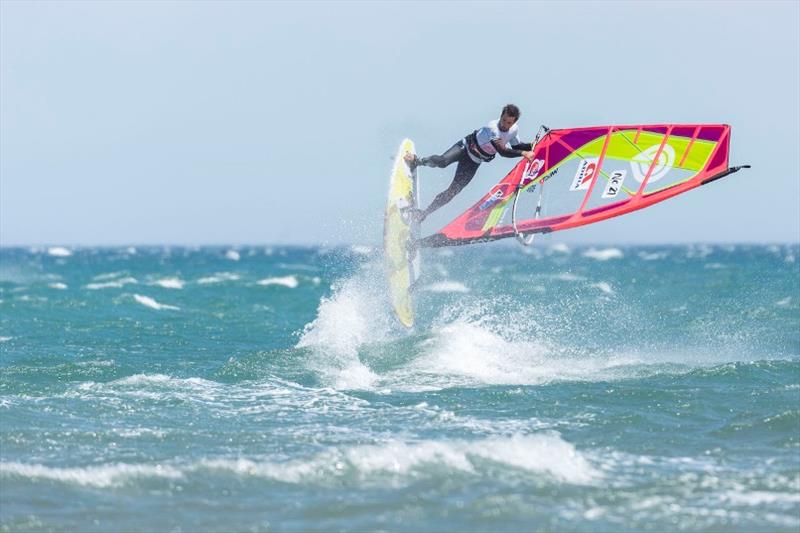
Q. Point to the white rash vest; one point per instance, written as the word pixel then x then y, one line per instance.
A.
pixel 491 132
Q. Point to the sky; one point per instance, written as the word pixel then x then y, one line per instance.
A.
pixel 268 122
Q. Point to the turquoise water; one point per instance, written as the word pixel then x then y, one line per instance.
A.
pixel 257 389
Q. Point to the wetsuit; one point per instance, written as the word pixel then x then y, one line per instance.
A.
pixel 479 146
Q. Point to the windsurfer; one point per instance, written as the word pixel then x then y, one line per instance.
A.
pixel 499 136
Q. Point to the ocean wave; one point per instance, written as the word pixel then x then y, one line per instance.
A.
pixel 356 314
pixel 219 278
pixel 545 455
pixel 604 287
pixel 447 286
pixel 108 275
pixel 603 255
pixel 360 249
pixel 59 251
pixel 152 304
pixel 114 284
pixel 100 476
pixel 653 256
pixel 285 281
pixel 568 276
pixel 170 283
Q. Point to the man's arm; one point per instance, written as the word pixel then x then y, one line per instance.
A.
pixel 518 150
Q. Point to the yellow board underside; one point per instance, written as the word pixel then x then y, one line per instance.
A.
pixel 397 234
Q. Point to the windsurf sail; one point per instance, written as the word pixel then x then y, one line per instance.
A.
pixel 582 176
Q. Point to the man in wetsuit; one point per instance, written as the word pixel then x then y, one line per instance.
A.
pixel 498 137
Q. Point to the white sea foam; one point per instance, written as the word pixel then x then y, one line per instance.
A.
pixel 285 281
pixel 107 276
pixel 568 276
pixel 113 284
pixel 110 475
pixel 604 254
pixel 447 286
pixel 700 250
pixel 219 278
pixel 713 266
pixel 131 250
pixel 560 248
pixel 357 313
pixel 603 286
pixel 5 339
pixel 58 285
pixel 233 255
pixel 653 256
pixel 170 283
pixel 544 455
pixel 151 303
pixel 59 251
pixel 361 249
pixel 785 302
pixel 759 497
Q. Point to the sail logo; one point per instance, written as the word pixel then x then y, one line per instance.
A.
pixel 614 184
pixel 532 170
pixel 584 175
pixel 493 198
pixel 641 162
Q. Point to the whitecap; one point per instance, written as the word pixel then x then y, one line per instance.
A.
pixel 5 339
pixel 784 302
pixel 110 475
pixel 603 286
pixel 654 256
pixel 545 454
pixel 151 303
pixel 218 278
pixel 59 251
pixel 603 255
pixel 58 285
pixel 107 275
pixel 568 276
pixel 355 314
pixel 361 249
pixel 170 283
pixel 560 248
pixel 115 284
pixel 447 286
pixel 233 255
pixel 285 281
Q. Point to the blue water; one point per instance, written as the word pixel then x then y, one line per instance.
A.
pixel 260 389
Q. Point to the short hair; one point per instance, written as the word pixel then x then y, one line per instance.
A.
pixel 512 111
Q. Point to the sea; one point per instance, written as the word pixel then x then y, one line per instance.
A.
pixel 270 388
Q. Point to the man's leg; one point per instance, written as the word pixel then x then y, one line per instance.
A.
pixel 440 161
pixel 464 173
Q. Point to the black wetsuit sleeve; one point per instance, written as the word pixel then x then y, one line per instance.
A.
pixel 507 152
pixel 525 147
